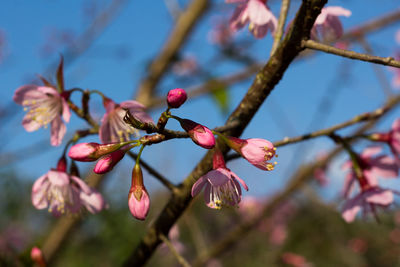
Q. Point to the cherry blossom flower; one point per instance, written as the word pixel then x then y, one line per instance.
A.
pixel 256 13
pixel 327 26
pixel 367 200
pixel 60 192
pixel 295 260
pixel 221 185
pixel 199 134
pixel 392 138
pixel 256 151
pixel 372 168
pixel 113 128
pixel 37 256
pixel 176 97
pixel 221 33
pixel 185 66
pixel 138 198
pixel 45 105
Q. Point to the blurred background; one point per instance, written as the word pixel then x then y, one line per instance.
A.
pixel 108 45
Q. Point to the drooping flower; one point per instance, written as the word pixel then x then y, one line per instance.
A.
pixel 256 151
pixel 199 134
pixel 138 198
pixel 37 256
pixel 256 13
pixel 45 106
pixel 372 168
pixel 176 97
pixel 113 128
pixel 327 26
pixel 367 200
pixel 392 138
pixel 221 185
pixel 60 193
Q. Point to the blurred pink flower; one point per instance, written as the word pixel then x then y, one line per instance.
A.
pixel 45 106
pixel 221 185
pixel 199 134
pixel 61 192
pixel 256 151
pixel 358 245
pixel 221 33
pixel 113 128
pixel 327 26
pixel 37 256
pixel 367 200
pixel 256 13
pixel 295 260
pixel 392 138
pixel 185 66
pixel 372 168
pixel 138 198
pixel 173 237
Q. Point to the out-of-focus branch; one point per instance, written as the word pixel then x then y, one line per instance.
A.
pixel 174 252
pixel 263 84
pixel 159 65
pixel 281 25
pixel 388 61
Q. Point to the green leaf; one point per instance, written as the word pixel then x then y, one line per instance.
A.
pixel 220 93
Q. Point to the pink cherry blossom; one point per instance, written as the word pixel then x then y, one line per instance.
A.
pixel 199 134
pixel 257 14
pixel 221 185
pixel 173 237
pixel 113 128
pixel 392 138
pixel 185 66
pixel 327 25
pixel 372 168
pixel 176 97
pixel 61 192
pixel 221 33
pixel 138 198
pixel 295 260
pixel 45 105
pixel 37 256
pixel 367 200
pixel 256 151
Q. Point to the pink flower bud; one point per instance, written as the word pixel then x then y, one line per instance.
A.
pixel 91 151
pixel 37 256
pixel 176 97
pixel 62 164
pixel 107 163
pixel 200 134
pixel 138 198
pixel 256 151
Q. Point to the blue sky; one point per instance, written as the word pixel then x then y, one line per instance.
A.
pixel 137 35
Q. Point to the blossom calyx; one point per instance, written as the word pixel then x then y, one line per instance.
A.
pixel 138 198
pixel 92 151
pixel 176 97
pixel 199 134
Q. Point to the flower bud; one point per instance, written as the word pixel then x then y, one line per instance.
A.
pixel 138 198
pixel 107 163
pixel 37 257
pixel 176 97
pixel 256 151
pixel 199 134
pixel 91 151
pixel 62 164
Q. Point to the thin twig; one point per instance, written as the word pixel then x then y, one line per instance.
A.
pixel 153 172
pixel 387 61
pixel 171 247
pixel 281 25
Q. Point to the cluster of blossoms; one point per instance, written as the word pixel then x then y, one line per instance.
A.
pixel 62 191
pixel 365 169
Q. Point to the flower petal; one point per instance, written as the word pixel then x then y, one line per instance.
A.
pixel 58 130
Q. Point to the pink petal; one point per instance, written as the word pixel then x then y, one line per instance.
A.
pixel 139 209
pixel 66 113
pixel 380 197
pixel 396 124
pixel 39 192
pixel 198 185
pixel 239 18
pixel 337 11
pixel 333 24
pixel 29 124
pixel 235 1
pixel 82 185
pixel 26 92
pixel 132 104
pixel 58 178
pixel 370 151
pixel 384 166
pixel 48 90
pixel 104 131
pixel 217 177
pixel 351 208
pixel 58 130
pixel 241 181
pixel 258 12
pixel 93 202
